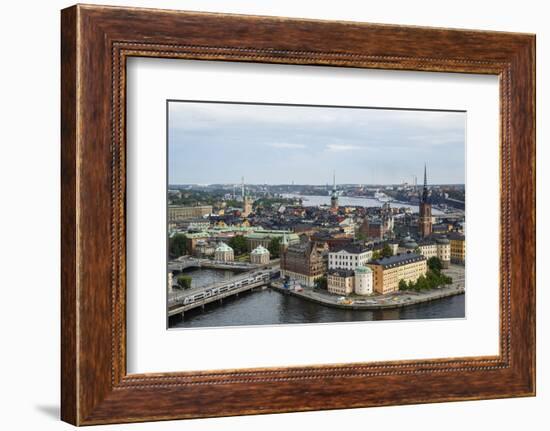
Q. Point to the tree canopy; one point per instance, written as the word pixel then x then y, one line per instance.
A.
pixel 238 244
pixel 435 264
pixel 184 281
pixel 431 280
pixel 386 251
pixel 274 247
pixel 177 245
pixel 321 282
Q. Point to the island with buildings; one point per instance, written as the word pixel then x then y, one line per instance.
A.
pixel 349 246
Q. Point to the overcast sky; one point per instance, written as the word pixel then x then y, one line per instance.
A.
pixel 267 144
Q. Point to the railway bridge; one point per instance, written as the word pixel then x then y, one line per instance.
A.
pixel 180 302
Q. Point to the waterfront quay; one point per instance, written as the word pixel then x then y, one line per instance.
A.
pixel 377 301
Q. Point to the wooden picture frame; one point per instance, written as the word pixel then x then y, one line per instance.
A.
pixel 95 43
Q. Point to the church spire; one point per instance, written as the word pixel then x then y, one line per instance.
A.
pixel 425 189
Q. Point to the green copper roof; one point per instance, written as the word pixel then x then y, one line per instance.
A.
pixel 363 269
pixel 223 247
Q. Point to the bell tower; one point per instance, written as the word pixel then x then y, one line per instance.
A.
pixel 425 210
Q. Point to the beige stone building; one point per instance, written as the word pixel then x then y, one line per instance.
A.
pixel 444 251
pixel 180 212
pixel 224 253
pixel 340 281
pixel 388 271
pixel 259 256
pixel 428 248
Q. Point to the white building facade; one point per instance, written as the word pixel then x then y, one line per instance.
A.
pixel 363 281
pixel 349 258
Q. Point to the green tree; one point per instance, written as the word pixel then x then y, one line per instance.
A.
pixel 321 282
pixel 177 245
pixel 184 281
pixel 376 255
pixel 274 247
pixel 361 236
pixel 386 251
pixel 422 283
pixel 435 264
pixel 238 244
pixel 402 285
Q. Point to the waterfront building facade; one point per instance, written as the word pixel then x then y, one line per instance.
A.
pixel 259 256
pixel 302 261
pixel 428 248
pixel 348 256
pixel 388 271
pixel 458 248
pixel 224 253
pixel 363 281
pixel 444 251
pixel 181 213
pixel 425 211
pixel 340 281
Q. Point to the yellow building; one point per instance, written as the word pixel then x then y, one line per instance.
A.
pixel 247 206
pixel 389 271
pixel 458 247
pixel 180 212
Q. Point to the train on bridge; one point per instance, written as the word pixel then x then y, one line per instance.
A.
pixel 226 288
pixel 208 294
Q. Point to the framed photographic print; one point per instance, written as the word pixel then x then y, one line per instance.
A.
pixel 265 215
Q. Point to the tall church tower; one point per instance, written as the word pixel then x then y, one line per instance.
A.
pixel 334 196
pixel 247 200
pixel 425 210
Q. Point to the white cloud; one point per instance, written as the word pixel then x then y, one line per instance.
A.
pixel 340 147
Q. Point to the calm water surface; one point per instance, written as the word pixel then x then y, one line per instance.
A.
pixel 317 200
pixel 269 307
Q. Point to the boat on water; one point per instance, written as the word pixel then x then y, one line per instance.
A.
pixel 381 197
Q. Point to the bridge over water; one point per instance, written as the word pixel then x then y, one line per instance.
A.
pixel 180 264
pixel 181 301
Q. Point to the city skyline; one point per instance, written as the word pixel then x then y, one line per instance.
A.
pixel 215 143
